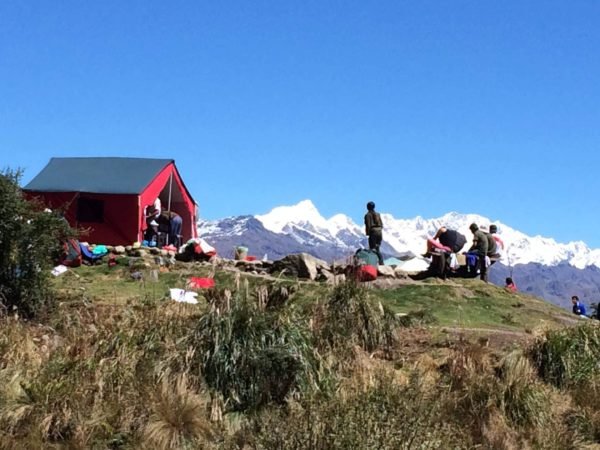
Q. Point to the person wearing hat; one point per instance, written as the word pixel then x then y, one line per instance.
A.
pixel 479 249
pixel 374 229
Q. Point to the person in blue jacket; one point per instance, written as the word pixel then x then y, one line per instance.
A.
pixel 578 307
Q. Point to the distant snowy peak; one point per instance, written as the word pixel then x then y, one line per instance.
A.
pixel 304 221
pixel 281 217
pixel 306 225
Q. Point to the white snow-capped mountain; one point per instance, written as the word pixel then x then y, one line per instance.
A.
pixel 304 225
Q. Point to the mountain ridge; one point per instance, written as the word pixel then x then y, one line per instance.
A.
pixel 304 224
pixel 540 265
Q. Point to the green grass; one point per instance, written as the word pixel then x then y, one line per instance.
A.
pixel 458 303
pixel 471 304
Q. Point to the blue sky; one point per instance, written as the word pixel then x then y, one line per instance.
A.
pixel 424 107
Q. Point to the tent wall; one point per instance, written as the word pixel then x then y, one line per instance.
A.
pixel 119 222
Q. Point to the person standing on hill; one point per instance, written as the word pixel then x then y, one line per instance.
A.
pixel 480 249
pixel 374 229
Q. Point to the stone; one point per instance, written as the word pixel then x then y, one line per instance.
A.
pixel 267 264
pixel 326 275
pixel 339 279
pixel 164 253
pixel 386 271
pixel 301 265
pixel 136 245
pixel 128 248
pixel 119 250
pixel 154 251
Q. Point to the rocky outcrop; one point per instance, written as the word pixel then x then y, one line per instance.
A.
pixel 301 265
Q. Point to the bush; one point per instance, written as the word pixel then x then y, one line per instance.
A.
pixel 29 238
pixel 386 415
pixel 569 356
pixel 251 354
pixel 349 317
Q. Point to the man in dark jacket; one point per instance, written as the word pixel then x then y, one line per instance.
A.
pixel 479 248
pixel 374 229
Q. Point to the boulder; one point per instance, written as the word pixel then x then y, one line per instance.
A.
pixel 154 251
pixel 267 264
pixel 164 253
pixel 301 265
pixel 119 250
pixel 128 248
pixel 136 245
pixel 326 275
pixel 386 271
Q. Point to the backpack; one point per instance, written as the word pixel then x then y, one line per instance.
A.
pixel 365 265
pixel 364 257
pixel 71 256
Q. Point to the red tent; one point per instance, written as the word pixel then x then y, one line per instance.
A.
pixel 106 197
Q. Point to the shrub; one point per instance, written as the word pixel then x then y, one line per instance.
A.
pixel 386 415
pixel 29 238
pixel 179 416
pixel 521 397
pixel 350 317
pixel 585 419
pixel 569 356
pixel 250 354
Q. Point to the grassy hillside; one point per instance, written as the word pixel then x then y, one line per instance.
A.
pixel 455 303
pixel 266 363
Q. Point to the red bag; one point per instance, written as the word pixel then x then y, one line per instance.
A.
pixel 366 273
pixel 201 283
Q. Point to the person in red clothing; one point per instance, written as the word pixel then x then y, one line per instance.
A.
pixel 510 285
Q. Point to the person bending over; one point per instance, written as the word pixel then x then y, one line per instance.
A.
pixel 447 240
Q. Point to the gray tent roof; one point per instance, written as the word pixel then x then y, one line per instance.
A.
pixel 105 175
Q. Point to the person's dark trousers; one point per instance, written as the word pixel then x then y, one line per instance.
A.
pixel 375 238
pixel 483 269
pixel 175 226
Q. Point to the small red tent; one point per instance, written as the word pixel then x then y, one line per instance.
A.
pixel 106 197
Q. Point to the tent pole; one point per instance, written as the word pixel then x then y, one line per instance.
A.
pixel 170 187
pixel 169 203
